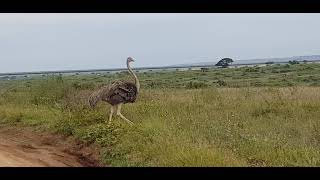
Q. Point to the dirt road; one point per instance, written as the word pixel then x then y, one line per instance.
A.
pixel 26 148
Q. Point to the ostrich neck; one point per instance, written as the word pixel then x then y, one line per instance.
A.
pixel 136 80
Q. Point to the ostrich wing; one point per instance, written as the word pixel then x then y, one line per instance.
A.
pixel 124 89
pixel 121 92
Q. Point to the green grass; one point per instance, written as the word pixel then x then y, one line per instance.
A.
pixel 266 122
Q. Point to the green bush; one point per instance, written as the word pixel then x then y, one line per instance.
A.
pixel 196 85
pixel 221 83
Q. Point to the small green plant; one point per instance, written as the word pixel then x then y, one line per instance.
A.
pixel 221 83
pixel 252 69
pixel 196 85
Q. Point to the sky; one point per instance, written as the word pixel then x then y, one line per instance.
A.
pixel 69 41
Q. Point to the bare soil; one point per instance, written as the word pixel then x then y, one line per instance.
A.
pixel 23 147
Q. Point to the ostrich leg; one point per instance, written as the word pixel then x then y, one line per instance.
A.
pixel 119 114
pixel 111 112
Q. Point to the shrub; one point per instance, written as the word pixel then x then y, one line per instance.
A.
pixel 196 85
pixel 221 83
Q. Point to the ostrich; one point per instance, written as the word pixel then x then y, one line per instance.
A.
pixel 117 93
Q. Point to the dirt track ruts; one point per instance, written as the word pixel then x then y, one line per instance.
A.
pixel 26 148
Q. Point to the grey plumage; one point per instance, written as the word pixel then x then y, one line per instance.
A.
pixel 116 93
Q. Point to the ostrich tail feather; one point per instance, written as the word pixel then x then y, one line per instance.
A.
pixel 94 98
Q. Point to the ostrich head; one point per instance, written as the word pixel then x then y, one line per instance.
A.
pixel 130 60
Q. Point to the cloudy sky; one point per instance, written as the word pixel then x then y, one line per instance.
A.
pixel 36 42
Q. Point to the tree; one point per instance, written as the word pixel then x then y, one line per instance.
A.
pixel 224 62
pixel 294 62
pixel 270 62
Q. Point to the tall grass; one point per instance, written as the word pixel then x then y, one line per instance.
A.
pixel 231 117
pixel 179 127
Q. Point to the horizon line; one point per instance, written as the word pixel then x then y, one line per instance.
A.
pixel 141 68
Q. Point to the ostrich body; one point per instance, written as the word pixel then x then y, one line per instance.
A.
pixel 117 93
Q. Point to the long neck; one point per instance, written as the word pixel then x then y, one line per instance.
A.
pixel 136 80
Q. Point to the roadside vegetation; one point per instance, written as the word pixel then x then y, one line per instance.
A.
pixel 249 116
